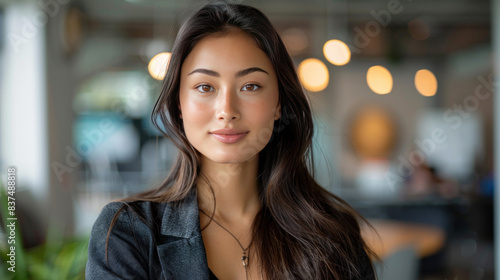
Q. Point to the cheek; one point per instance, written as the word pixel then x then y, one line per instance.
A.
pixel 195 114
pixel 263 115
pixel 265 109
pixel 263 118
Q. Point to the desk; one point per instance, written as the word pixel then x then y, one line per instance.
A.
pixel 395 235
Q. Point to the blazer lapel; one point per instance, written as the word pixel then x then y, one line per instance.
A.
pixel 183 255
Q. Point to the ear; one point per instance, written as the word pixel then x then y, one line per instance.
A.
pixel 277 114
pixel 180 112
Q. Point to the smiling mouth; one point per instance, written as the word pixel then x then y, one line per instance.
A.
pixel 229 138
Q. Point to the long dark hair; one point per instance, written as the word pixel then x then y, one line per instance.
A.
pixel 302 231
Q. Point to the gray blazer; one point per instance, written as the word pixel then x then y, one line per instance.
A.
pixel 162 242
pixel 179 252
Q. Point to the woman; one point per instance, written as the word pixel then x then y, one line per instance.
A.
pixel 239 202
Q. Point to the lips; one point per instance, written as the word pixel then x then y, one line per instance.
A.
pixel 229 136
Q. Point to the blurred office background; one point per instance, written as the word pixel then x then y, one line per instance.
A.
pixel 401 92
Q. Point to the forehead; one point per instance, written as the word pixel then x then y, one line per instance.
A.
pixel 226 52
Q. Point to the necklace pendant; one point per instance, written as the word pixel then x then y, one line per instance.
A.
pixel 244 260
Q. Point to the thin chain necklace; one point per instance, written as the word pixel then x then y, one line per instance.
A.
pixel 244 258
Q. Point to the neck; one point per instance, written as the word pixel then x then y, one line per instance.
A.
pixel 234 186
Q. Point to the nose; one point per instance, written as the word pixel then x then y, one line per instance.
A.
pixel 227 105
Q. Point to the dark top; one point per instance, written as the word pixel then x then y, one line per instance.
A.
pixel 158 241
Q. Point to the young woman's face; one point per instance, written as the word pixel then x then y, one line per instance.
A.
pixel 228 98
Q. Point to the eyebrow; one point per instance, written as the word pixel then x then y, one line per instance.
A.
pixel 240 73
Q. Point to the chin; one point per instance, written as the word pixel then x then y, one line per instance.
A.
pixel 229 158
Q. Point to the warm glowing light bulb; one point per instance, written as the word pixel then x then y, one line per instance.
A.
pixel 379 79
pixel 426 82
pixel 157 67
pixel 337 52
pixel 313 74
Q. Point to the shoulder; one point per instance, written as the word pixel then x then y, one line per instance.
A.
pixel 121 240
pixel 137 213
pixel 121 220
pixel 177 218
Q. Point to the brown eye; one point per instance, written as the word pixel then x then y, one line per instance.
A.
pixel 250 87
pixel 205 88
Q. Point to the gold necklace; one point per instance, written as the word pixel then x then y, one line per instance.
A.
pixel 244 258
